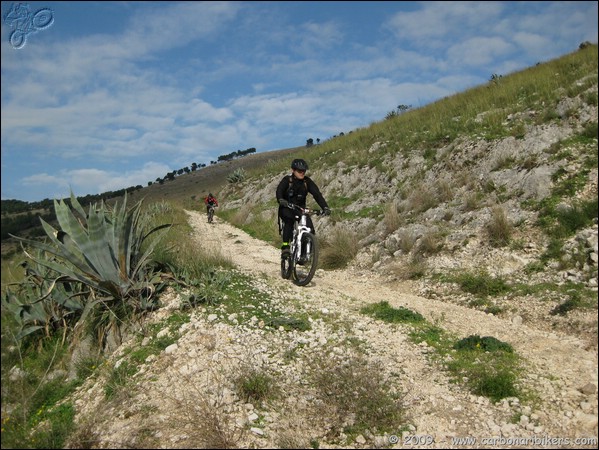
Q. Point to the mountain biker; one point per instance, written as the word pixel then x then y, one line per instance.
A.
pixel 210 201
pixel 294 189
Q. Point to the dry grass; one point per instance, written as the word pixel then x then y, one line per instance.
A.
pixel 393 218
pixel 430 243
pixel 499 228
pixel 340 247
pixel 406 241
pixel 416 267
pixel 198 414
pixel 353 394
pixel 421 199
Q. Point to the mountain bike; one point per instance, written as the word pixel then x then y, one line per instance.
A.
pixel 300 264
pixel 210 213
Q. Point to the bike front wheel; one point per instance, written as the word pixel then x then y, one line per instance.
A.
pixel 305 267
pixel 286 266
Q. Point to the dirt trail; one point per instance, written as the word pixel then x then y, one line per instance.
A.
pixel 559 352
pixel 558 366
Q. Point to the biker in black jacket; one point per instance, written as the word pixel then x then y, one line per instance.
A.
pixel 294 189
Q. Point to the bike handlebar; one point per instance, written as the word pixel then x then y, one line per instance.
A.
pixel 318 212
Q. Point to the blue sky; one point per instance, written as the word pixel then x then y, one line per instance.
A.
pixel 116 94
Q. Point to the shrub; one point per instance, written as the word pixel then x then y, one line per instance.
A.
pixel 482 284
pixel 485 343
pixel 387 313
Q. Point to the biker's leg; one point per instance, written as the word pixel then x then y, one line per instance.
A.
pixel 288 218
pixel 287 236
pixel 311 225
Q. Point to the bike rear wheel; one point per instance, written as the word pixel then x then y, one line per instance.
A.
pixel 305 267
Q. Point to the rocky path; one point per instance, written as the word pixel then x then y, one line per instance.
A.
pixel 559 367
pixel 184 397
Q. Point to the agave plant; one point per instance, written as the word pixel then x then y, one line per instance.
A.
pixel 43 301
pixel 105 250
pixel 237 176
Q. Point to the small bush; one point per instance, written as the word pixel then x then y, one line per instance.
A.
pixel 482 284
pixel 290 323
pixel 496 386
pixel 421 199
pixel 430 244
pixel 414 269
pixel 393 218
pixel 119 379
pixel 487 365
pixel 485 343
pixel 471 201
pixel 574 301
pixel 387 313
pixel 406 241
pixel 255 385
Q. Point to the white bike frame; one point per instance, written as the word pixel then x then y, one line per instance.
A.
pixel 301 227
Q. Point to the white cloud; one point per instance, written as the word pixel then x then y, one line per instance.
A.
pixel 96 181
pixel 478 52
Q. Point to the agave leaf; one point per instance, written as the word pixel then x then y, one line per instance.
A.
pixel 98 248
pixel 34 312
pixel 58 267
pixel 125 226
pixel 40 301
pixel 11 304
pixel 76 205
pixel 69 302
pixel 104 256
pixel 144 258
pixel 90 242
pixel 68 222
pixel 27 330
pixel 65 249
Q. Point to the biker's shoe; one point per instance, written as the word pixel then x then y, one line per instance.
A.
pixel 285 251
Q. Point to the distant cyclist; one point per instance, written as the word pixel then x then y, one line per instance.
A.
pixel 210 201
pixel 294 189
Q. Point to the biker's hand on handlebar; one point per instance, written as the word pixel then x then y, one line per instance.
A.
pixel 283 202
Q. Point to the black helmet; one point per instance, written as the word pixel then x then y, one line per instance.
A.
pixel 299 164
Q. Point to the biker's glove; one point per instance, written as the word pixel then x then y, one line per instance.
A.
pixel 283 202
pixel 326 211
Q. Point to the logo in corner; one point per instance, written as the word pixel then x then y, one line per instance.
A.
pixel 25 22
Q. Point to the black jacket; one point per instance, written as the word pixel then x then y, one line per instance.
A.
pixel 295 191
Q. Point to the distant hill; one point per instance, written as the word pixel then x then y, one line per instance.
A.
pixel 196 185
